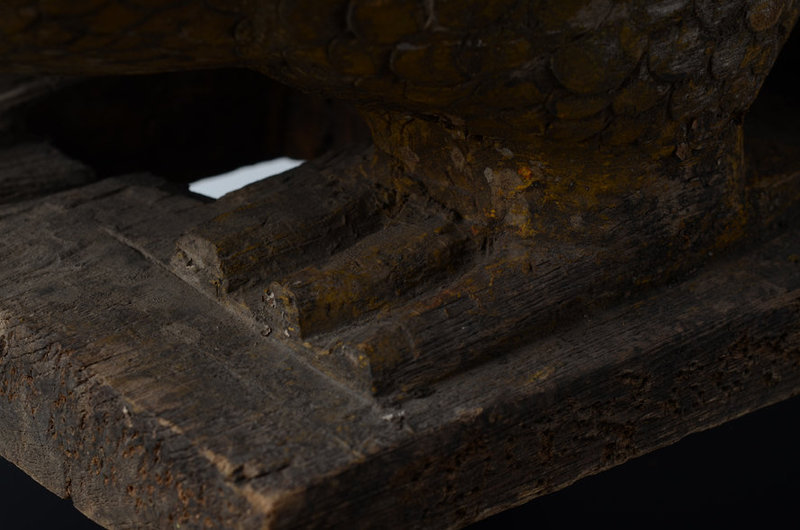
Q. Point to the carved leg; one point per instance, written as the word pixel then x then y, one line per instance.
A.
pixel 390 280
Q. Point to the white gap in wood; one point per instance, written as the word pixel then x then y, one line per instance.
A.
pixel 218 185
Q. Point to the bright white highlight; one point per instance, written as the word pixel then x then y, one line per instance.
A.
pixel 216 187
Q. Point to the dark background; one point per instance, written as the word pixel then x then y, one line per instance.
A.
pixel 744 472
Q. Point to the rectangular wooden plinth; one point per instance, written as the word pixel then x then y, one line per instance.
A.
pixel 151 404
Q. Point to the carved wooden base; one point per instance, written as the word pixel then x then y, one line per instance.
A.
pixel 557 256
pixel 324 348
pixel 149 402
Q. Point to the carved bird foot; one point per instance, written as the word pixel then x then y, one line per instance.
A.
pixel 389 281
pixel 532 160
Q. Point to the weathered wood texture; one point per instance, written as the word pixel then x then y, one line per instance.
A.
pixel 150 404
pixel 484 106
pixel 33 169
pixel 30 166
pixel 595 149
pixel 460 322
pixel 389 293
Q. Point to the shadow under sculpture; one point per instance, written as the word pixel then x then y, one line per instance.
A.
pixel 532 161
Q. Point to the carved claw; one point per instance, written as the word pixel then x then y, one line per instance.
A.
pixel 379 271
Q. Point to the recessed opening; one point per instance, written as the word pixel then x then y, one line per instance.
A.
pixel 187 126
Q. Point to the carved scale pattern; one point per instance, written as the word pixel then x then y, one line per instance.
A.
pixel 569 70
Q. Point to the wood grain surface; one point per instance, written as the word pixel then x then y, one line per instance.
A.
pixel 149 402
pixel 565 249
